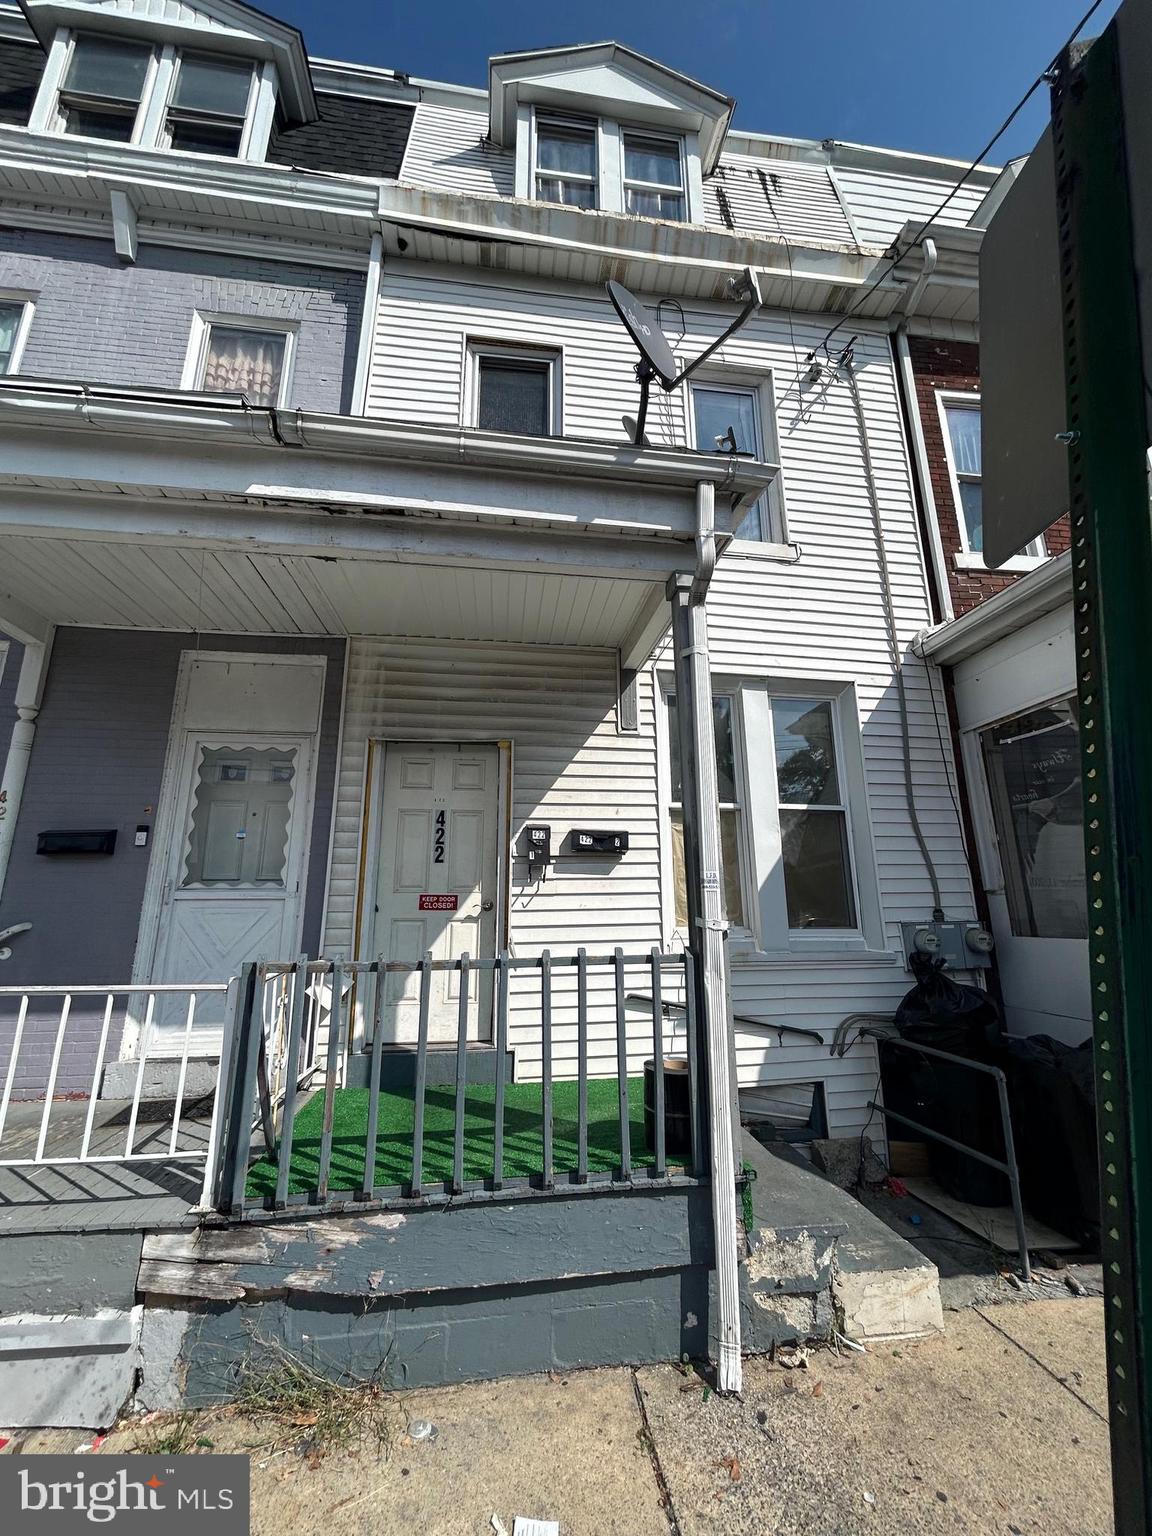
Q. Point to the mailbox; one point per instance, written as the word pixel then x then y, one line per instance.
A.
pixel 587 842
pixel 76 842
pixel 538 846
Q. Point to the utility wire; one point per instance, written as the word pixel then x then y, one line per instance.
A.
pixel 1040 79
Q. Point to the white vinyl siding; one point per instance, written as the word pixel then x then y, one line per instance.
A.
pixel 770 197
pixel 882 202
pixel 448 149
pixel 813 625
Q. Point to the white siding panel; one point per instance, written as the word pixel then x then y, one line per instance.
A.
pixel 163 10
pixel 770 197
pixel 882 202
pixel 819 618
pixel 448 150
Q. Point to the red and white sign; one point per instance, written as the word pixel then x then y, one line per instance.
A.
pixel 433 903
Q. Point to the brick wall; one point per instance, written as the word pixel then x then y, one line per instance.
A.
pixel 101 740
pixel 105 321
pixel 955 365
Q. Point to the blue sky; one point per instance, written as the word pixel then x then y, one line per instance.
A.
pixel 911 74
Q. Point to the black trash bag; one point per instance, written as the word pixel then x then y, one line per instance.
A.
pixel 949 1097
pixel 1052 1088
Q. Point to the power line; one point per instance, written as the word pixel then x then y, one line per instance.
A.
pixel 1040 79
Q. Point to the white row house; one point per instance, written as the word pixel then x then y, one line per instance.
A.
pixel 338 559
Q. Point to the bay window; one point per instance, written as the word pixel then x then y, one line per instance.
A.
pixel 798 862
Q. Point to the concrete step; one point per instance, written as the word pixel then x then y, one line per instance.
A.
pixel 398 1066
pixel 817 1258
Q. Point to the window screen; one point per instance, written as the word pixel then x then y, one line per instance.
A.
pixel 515 395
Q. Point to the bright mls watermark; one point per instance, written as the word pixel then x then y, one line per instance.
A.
pixel 63 1495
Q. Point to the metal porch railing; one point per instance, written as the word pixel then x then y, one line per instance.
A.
pixel 288 1052
pixel 43 1127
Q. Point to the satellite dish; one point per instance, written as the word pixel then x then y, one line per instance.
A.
pixel 656 360
pixel 645 331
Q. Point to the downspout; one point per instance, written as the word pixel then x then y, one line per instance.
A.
pixel 372 283
pixel 694 683
pixel 29 692
pixel 921 469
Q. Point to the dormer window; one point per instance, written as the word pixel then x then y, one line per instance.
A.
pixel 653 176
pixel 209 104
pixel 103 86
pixel 566 163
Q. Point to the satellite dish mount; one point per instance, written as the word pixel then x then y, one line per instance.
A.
pixel 656 359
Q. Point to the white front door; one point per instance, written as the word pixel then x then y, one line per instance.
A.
pixel 436 887
pixel 233 887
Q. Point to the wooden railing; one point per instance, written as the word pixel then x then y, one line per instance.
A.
pixel 313 1095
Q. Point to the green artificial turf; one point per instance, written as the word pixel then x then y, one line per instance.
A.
pixel 523 1135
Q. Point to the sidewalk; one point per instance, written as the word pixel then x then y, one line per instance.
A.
pixel 997 1427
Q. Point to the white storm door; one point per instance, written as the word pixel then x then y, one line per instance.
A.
pixel 233 891
pixel 436 889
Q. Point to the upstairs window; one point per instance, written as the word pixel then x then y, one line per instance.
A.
pixel 232 356
pixel 746 413
pixel 566 163
pixel 653 176
pixel 960 416
pixel 15 317
pixel 103 86
pixel 963 423
pixel 515 391
pixel 208 107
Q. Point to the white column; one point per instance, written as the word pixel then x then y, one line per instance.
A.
pixel 29 692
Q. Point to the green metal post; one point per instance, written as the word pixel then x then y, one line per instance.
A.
pixel 1112 598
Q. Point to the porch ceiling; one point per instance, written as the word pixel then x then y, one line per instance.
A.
pixel 163 586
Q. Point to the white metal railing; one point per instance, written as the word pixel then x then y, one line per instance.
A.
pixel 40 1127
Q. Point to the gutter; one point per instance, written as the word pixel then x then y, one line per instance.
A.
pixel 1040 592
pixel 921 468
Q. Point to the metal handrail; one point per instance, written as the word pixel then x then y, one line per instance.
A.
pixel 738 1018
pixel 1009 1166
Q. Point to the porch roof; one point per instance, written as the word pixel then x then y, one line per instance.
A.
pixel 140 509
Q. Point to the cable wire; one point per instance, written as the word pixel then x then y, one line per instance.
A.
pixel 1040 79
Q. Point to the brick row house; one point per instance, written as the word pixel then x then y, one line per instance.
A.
pixel 351 616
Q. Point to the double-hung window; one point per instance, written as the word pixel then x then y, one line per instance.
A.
pixel 240 358
pixel 103 86
pixel 798 863
pixel 653 176
pixel 566 163
pixel 208 107
pixel 814 843
pixel 723 413
pixel 730 796
pixel 515 390
pixel 960 415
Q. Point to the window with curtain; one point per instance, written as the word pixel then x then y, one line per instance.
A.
pixel 729 798
pixel 566 163
pixel 209 104
pixel 243 361
pixel 653 177
pixel 963 422
pixel 514 392
pixel 11 314
pixel 102 87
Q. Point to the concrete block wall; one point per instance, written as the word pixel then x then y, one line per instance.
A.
pixel 106 321
pixel 97 761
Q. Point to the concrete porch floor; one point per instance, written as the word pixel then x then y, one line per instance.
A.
pixel 998 1426
pixel 98 1196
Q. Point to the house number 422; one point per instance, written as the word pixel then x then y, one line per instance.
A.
pixel 438 840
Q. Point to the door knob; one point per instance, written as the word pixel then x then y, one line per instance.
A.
pixel 486 906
